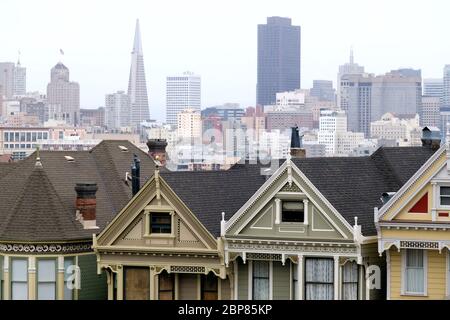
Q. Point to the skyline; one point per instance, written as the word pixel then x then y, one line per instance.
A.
pixel 226 62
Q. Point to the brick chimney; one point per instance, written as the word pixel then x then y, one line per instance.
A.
pixel 86 204
pixel 157 150
pixel 297 150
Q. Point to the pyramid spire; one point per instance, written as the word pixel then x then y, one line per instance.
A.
pixel 137 46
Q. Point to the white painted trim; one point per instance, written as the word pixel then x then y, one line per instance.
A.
pixel 425 274
pixel 263 215
pixel 236 275
pixel 270 280
pixel 250 279
pixel 448 274
pixel 291 280
pixel 388 275
pixel 305 212
pixel 383 210
pixel 336 277
pixel 300 277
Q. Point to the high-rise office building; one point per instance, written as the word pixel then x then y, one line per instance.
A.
pixel 433 88
pixel 446 89
pixel 63 96
pixel 278 59
pixel 137 85
pixel 12 79
pixel 117 110
pixel 430 111
pixel 365 98
pixel 346 69
pixel 323 90
pixel 182 92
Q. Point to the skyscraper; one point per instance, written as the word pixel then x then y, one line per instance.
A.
pixel 278 59
pixel 12 79
pixel 63 96
pixel 446 90
pixel 365 98
pixel 323 89
pixel 117 110
pixel 433 88
pixel 137 86
pixel 346 69
pixel 182 92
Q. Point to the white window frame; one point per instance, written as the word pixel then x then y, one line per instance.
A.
pixel 11 280
pixel 439 205
pixel 425 275
pixel 147 230
pixel 38 281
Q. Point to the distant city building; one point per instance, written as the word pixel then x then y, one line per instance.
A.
pixel 431 111
pixel 278 65
pixel 314 149
pixel 12 79
pixel 323 90
pixel 137 85
pixel 35 106
pixel 63 96
pixel 334 135
pixel 225 111
pixel 189 124
pixel 287 118
pixel 294 98
pixel 445 122
pixel 182 92
pixel 401 132
pixel 433 88
pixel 347 69
pixel 446 90
pixel 91 118
pixel 117 110
pixel 365 98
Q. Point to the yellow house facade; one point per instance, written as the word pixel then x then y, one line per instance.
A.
pixel 413 229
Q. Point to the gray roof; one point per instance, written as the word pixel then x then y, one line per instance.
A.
pixel 39 204
pixel 353 185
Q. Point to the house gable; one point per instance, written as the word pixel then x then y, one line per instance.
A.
pixel 130 230
pixel 258 218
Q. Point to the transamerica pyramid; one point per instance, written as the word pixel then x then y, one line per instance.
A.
pixel 137 86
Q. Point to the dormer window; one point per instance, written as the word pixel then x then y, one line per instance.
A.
pixel 293 211
pixel 445 196
pixel 160 222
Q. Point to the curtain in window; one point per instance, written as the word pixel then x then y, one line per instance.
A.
pixel 414 271
pixel 260 280
pixel 46 278
pixel 19 280
pixel 68 293
pixel 350 281
pixel 319 279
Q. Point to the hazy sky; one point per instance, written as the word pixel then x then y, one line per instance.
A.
pixel 216 39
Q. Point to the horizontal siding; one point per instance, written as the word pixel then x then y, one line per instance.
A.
pixel 225 290
pixel 93 286
pixel 436 276
pixel 280 281
pixel 242 280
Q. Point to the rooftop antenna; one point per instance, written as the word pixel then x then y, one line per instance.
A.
pixel 18 58
pixel 61 53
pixel 351 55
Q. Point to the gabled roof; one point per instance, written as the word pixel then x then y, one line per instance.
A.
pixel 106 164
pixel 353 185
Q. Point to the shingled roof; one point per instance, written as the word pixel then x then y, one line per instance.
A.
pixel 353 185
pixel 25 191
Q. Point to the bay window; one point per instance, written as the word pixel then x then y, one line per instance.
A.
pixel 46 279
pixel 19 279
pixel 261 277
pixel 319 279
pixel 350 281
pixel 414 262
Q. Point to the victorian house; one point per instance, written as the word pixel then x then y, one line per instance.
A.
pixel 51 204
pixel 413 227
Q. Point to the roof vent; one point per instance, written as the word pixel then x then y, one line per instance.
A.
pixel 69 158
pixel 124 149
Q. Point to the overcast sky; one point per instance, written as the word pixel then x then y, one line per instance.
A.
pixel 216 39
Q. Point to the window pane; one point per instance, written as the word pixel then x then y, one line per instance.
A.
pixel 445 201
pixel 445 191
pixel 260 280
pixel 160 223
pixel 350 281
pixel 414 258
pixel 46 270
pixel 19 291
pixel 319 277
pixel 19 270
pixel 292 211
pixel 414 271
pixel 47 291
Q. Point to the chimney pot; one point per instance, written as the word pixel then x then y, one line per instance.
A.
pixel 157 150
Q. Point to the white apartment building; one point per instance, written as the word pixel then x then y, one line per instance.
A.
pixel 405 132
pixel 291 98
pixel 117 110
pixel 182 92
pixel 430 111
pixel 334 135
pixel 189 124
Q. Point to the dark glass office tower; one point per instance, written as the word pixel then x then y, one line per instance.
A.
pixel 278 59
